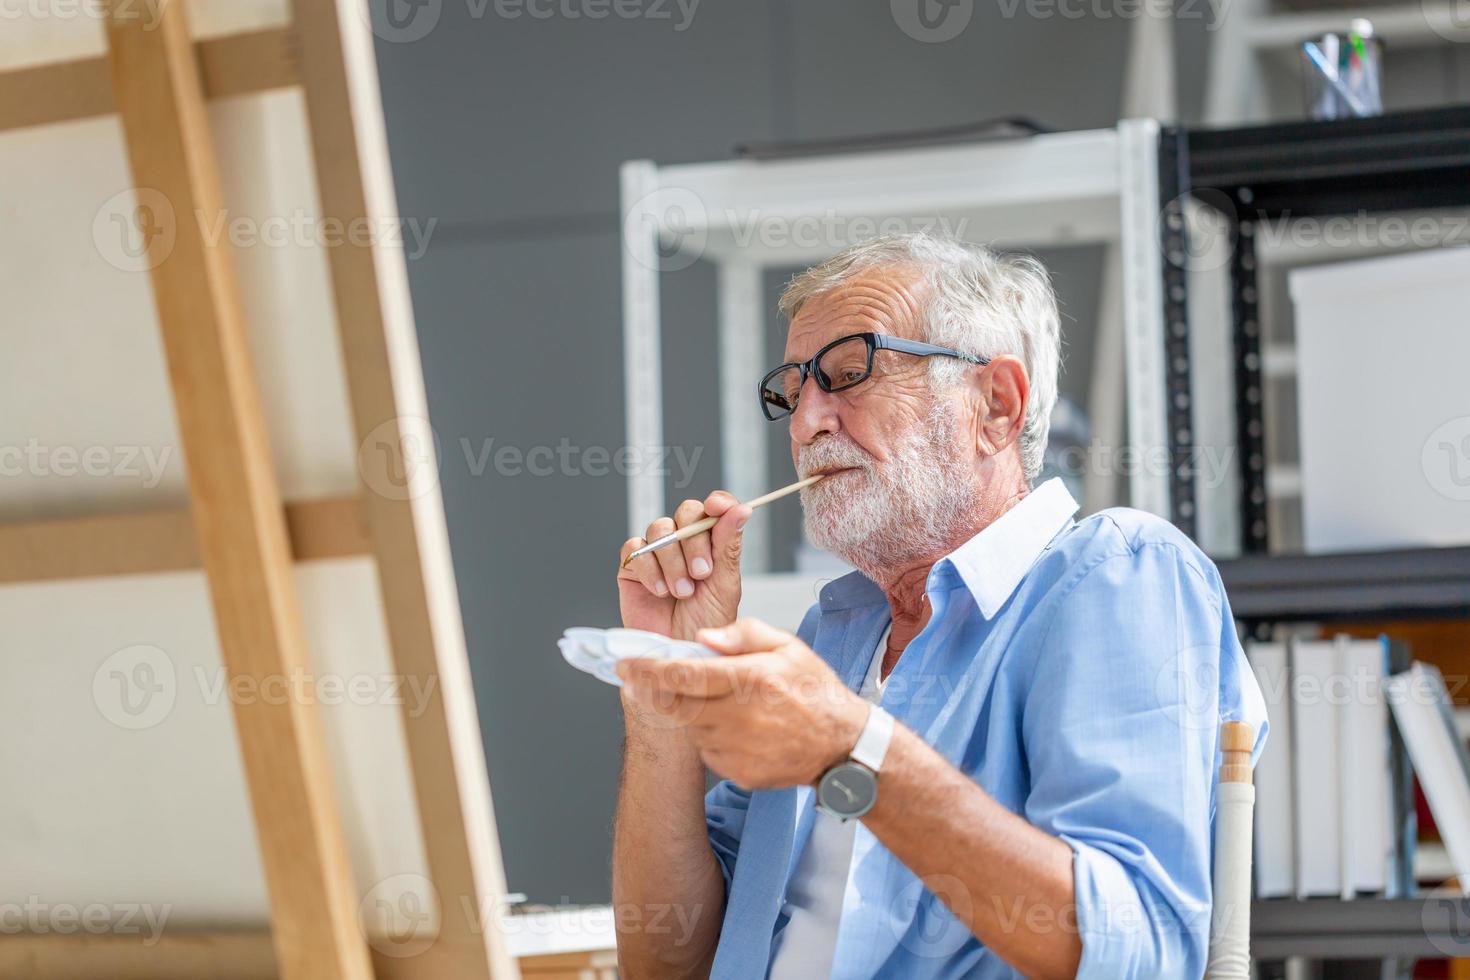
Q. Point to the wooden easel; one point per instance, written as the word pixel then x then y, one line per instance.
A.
pixel 157 80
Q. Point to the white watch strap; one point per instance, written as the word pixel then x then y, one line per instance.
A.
pixel 872 744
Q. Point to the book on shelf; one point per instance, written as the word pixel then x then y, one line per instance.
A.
pixel 1422 708
pixel 1275 826
pixel 1334 811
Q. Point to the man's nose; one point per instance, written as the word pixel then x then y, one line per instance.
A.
pixel 816 413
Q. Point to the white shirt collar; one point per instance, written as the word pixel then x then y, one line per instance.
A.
pixel 993 562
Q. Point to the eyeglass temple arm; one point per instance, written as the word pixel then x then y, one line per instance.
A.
pixel 904 346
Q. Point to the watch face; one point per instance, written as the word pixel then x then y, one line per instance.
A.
pixel 848 791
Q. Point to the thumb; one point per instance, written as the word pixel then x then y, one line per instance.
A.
pixel 744 636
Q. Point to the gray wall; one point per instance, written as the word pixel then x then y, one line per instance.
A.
pixel 509 131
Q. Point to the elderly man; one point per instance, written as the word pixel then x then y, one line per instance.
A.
pixel 988 752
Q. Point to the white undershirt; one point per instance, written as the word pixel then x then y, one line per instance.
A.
pixel 819 883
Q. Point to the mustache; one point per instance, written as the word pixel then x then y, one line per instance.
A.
pixel 830 453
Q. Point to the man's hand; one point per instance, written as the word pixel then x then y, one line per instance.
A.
pixel 768 714
pixel 690 584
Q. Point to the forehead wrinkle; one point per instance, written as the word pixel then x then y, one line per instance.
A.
pixel 880 304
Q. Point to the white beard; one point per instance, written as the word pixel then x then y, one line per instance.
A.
pixel 885 515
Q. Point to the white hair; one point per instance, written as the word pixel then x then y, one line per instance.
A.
pixel 975 300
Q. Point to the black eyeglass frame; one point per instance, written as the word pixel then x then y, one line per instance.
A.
pixel 874 342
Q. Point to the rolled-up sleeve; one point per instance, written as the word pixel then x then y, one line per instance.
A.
pixel 1120 732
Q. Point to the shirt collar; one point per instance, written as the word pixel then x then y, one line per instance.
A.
pixel 992 563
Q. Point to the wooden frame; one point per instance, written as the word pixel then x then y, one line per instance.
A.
pixel 157 79
pixel 408 531
pixel 235 501
pixel 244 955
pixel 148 542
pixel 236 64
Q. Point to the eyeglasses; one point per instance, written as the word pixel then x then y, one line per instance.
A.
pixel 842 364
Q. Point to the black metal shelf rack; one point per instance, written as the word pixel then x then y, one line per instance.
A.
pixel 1409 583
pixel 1403 161
pixel 1364 928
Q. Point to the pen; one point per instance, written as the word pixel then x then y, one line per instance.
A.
pixel 700 526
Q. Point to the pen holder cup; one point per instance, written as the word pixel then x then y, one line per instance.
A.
pixel 1342 76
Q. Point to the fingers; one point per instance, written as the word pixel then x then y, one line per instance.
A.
pixel 745 635
pixel 718 502
pixel 674 569
pixel 644 569
pixel 699 678
pixel 670 559
pixel 696 549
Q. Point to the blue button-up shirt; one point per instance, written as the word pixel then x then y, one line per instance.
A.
pixel 1078 672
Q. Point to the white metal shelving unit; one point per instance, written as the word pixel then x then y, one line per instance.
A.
pixel 1096 186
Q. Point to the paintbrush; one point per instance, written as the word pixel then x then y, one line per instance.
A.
pixel 700 526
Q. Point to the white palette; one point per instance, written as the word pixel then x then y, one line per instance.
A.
pixel 598 652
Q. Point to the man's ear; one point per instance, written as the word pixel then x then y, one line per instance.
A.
pixel 1003 389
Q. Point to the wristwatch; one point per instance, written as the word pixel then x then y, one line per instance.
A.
pixel 849 789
